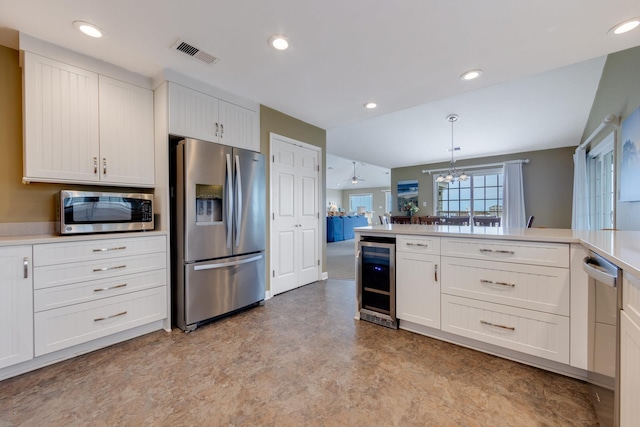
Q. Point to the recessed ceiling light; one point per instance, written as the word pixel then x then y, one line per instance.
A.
pixel 88 28
pixel 279 42
pixel 625 26
pixel 370 105
pixel 471 74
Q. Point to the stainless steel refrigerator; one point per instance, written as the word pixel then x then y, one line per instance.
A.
pixel 219 231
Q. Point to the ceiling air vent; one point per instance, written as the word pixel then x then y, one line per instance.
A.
pixel 194 52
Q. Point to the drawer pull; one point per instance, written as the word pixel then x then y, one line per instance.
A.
pixel 510 328
pixel 25 263
pixel 109 317
pixel 95 270
pixel 491 282
pixel 498 251
pixel 424 245
pixel 436 272
pixel 119 248
pixel 108 289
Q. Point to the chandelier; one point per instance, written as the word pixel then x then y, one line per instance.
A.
pixel 452 174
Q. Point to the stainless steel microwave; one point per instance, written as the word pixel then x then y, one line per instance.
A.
pixel 93 212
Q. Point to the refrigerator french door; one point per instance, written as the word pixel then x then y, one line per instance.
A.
pixel 219 223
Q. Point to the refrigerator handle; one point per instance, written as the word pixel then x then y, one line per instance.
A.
pixel 229 201
pixel 238 186
pixel 227 264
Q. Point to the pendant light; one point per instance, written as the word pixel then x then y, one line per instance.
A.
pixel 452 174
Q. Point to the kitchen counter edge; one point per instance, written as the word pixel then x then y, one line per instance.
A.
pixel 618 246
pixel 57 238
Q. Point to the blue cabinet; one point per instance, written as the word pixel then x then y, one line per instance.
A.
pixel 341 227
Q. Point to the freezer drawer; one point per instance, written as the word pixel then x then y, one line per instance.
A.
pixel 217 287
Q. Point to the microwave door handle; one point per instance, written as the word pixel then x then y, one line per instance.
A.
pixel 238 185
pixel 229 201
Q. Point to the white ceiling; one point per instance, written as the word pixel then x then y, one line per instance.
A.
pixel 340 172
pixel 406 55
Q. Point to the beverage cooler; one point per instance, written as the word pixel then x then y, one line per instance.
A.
pixel 376 280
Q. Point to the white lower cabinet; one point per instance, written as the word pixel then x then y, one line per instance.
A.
pixel 78 323
pixel 513 294
pixel 417 280
pixel 90 289
pixel 16 305
pixel 531 332
pixel 630 351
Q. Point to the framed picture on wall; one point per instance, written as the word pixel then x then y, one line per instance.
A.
pixel 408 195
pixel 630 162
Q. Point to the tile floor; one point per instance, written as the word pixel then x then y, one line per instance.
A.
pixel 299 360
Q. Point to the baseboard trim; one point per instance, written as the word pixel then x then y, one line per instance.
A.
pixel 325 276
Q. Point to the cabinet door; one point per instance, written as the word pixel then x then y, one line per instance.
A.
pixel 418 288
pixel 238 126
pixel 16 305
pixel 193 114
pixel 126 133
pixel 61 140
pixel 629 370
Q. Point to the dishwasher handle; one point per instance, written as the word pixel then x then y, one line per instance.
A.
pixel 592 266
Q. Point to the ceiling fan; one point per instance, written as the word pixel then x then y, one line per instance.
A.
pixel 355 178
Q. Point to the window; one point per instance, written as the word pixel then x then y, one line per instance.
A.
pixel 481 195
pixel 356 200
pixel 601 175
pixel 388 201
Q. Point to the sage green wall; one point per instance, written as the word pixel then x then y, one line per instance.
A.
pixel 378 200
pixel 548 184
pixel 282 124
pixel 618 93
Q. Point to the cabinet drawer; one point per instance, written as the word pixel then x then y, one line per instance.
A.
pixel 68 326
pixel 631 296
pixel 520 285
pixel 88 250
pixel 418 244
pixel 539 334
pixel 57 275
pixel 75 293
pixel 536 253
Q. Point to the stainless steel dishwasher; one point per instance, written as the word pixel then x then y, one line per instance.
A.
pixel 605 301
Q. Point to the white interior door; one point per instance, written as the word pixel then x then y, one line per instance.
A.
pixel 295 228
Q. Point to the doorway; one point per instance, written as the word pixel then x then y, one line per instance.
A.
pixel 295 213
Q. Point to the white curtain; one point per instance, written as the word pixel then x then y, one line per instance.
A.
pixel 580 215
pixel 513 205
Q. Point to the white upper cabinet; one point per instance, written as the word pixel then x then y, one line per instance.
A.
pixel 195 114
pixel 82 127
pixel 61 138
pixel 126 133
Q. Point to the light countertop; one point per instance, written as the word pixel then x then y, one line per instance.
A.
pixel 620 247
pixel 56 238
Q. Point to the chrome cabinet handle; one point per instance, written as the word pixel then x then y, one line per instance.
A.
pixel 95 270
pixel 110 317
pixel 110 288
pixel 436 272
pixel 104 166
pixel 217 129
pixel 418 244
pixel 25 263
pixel 498 251
pixel 119 248
pixel 95 165
pixel 491 282
pixel 510 328
pixel 221 130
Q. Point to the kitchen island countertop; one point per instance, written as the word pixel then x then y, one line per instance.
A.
pixel 620 247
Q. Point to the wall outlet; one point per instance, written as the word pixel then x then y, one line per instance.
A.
pixel 424 204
